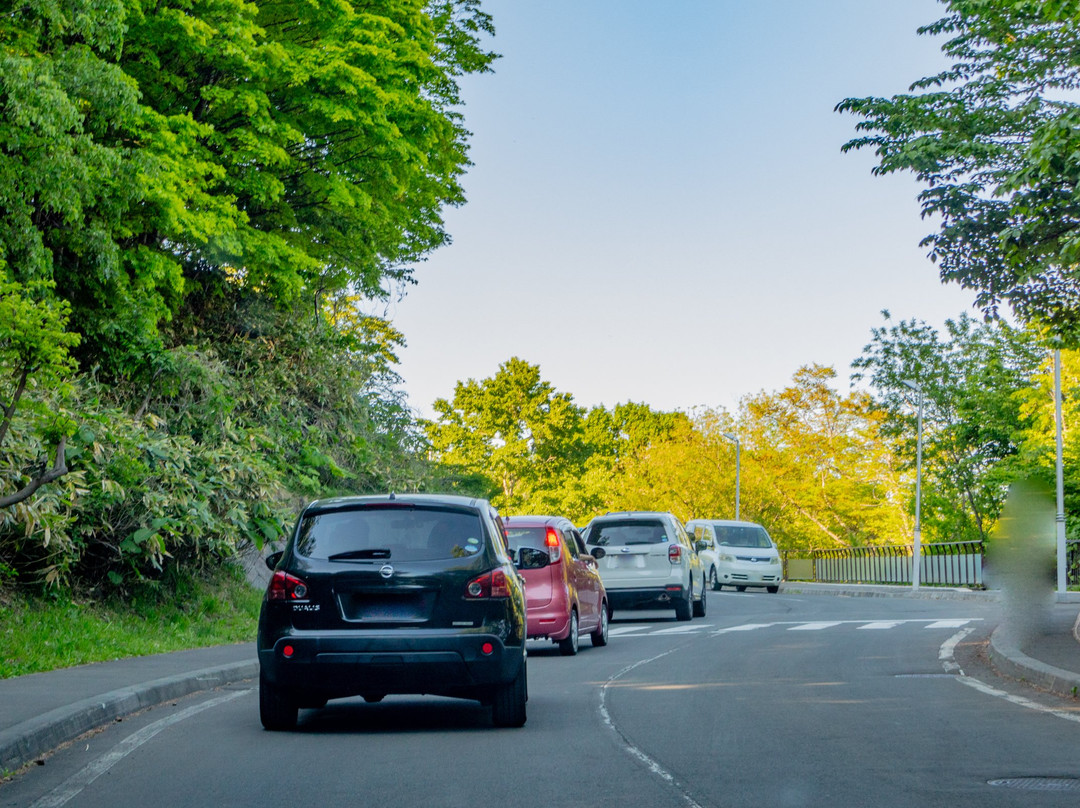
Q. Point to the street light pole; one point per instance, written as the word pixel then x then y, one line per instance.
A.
pixel 1062 578
pixel 735 440
pixel 917 559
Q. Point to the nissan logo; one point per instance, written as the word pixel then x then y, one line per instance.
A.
pixel 386 571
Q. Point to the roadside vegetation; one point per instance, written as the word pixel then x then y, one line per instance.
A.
pixel 186 611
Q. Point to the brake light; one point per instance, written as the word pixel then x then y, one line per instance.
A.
pixel 674 553
pixel 551 541
pixel 286 587
pixel 487 586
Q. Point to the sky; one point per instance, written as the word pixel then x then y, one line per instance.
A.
pixel 658 208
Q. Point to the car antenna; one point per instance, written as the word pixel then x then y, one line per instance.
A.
pixel 393 496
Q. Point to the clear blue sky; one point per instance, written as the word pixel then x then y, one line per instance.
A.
pixel 659 210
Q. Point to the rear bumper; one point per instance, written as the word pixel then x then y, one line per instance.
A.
pixel 337 665
pixel 655 597
pixel 550 622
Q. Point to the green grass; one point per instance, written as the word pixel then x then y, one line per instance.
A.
pixel 46 633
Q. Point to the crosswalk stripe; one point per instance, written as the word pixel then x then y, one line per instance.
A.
pixel 645 630
pixel 744 627
pixel 682 629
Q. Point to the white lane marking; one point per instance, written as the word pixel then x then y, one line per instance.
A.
pixel 744 627
pixel 791 625
pixel 688 629
pixel 949 663
pixel 71 788
pixel 627 744
pixel 1018 700
pixel 616 632
pixel 948 649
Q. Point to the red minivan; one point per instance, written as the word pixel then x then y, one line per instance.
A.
pixel 564 596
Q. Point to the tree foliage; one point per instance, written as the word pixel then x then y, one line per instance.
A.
pixel 994 138
pixel 197 199
pixel 972 378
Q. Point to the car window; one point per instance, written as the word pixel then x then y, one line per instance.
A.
pixel 400 534
pixel 534 537
pixel 637 531
pixel 742 536
pixel 574 543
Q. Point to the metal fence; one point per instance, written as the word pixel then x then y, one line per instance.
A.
pixel 942 563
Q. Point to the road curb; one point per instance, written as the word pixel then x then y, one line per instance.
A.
pixel 1006 656
pixel 25 742
pixel 872 591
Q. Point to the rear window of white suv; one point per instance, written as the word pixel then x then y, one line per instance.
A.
pixel 619 533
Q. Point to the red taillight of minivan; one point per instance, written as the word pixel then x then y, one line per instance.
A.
pixel 674 553
pixel 489 585
pixel 286 587
pixel 554 546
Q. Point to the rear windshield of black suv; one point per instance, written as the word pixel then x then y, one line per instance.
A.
pixel 391 533
pixel 637 531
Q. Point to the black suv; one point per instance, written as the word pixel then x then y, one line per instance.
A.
pixel 393 594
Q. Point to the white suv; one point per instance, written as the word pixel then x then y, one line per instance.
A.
pixel 647 561
pixel 738 554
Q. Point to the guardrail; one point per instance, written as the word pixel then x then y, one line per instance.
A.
pixel 943 563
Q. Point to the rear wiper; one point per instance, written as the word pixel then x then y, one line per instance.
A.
pixel 378 552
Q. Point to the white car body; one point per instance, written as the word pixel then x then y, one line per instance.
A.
pixel 738 554
pixel 647 560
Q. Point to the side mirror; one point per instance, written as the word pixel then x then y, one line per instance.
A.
pixel 598 553
pixel 700 545
pixel 273 559
pixel 530 558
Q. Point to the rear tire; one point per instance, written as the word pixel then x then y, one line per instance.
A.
pixel 278 708
pixel 569 645
pixel 773 589
pixel 600 636
pixel 740 589
pixel 508 704
pixel 684 609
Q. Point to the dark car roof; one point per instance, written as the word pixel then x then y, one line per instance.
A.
pixel 408 499
pixel 634 515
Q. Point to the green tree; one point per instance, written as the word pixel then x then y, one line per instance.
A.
pixel 34 351
pixel 994 138
pixel 515 428
pixel 972 378
pixel 816 468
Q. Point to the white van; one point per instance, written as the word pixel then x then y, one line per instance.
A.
pixel 738 554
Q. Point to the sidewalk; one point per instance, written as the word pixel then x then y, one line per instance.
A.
pixel 44 710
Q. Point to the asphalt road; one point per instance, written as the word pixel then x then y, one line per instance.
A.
pixel 770 700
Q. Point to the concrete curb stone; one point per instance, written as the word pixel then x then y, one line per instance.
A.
pixel 27 741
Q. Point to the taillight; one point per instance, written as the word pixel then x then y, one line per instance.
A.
pixel 674 553
pixel 489 585
pixel 286 587
pixel 551 541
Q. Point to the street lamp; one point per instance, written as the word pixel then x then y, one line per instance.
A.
pixel 735 440
pixel 917 560
pixel 1062 578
